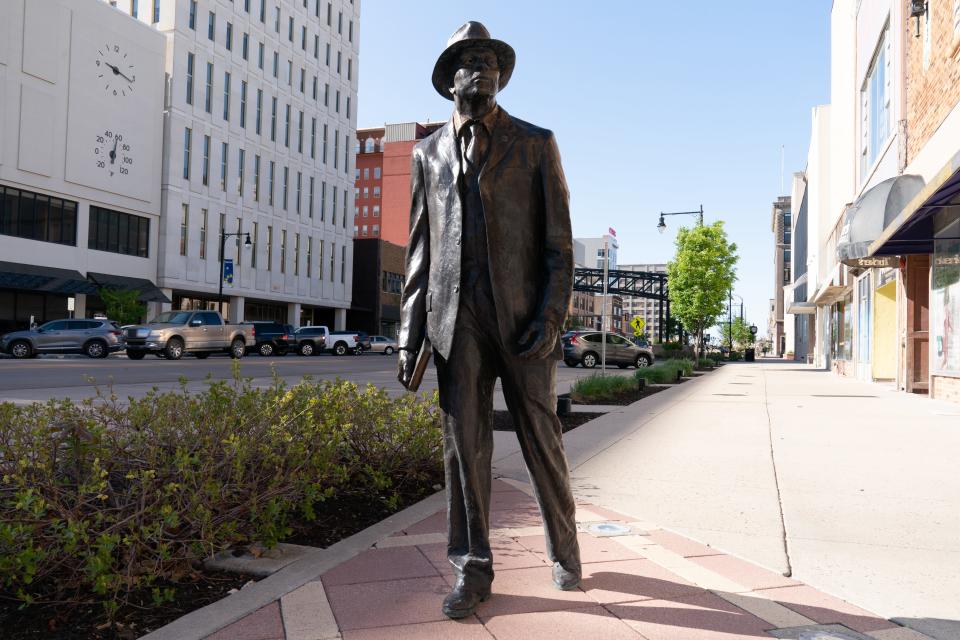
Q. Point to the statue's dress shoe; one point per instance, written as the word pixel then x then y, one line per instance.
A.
pixel 564 579
pixel 462 601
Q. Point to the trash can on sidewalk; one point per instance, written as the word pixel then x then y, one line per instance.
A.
pixel 749 355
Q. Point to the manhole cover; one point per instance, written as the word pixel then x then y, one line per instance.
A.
pixel 609 529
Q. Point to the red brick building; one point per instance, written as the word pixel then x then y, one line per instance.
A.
pixel 382 208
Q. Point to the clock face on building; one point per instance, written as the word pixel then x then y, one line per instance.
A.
pixel 115 70
pixel 113 154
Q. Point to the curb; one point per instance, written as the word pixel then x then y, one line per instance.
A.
pixel 201 623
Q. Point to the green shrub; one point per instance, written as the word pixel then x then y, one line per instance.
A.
pixel 665 371
pixel 705 363
pixel 669 347
pixel 102 499
pixel 597 387
pixel 735 355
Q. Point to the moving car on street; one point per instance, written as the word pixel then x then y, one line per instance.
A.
pixel 382 344
pixel 174 333
pixel 584 347
pixel 95 338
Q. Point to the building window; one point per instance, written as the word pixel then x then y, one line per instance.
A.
pixel 326 94
pixel 333 210
pixel 289 73
pixel 260 53
pixel 393 282
pixel 337 102
pixel 190 60
pixel 187 135
pixel 366 172
pixel 259 109
pixel 344 208
pixel 376 192
pixel 329 14
pixel 300 133
pixel 270 178
pixel 273 119
pixel 283 251
pixel 309 254
pixel 286 185
pixel 34 216
pixel 323 200
pixel 206 160
pixel 315 88
pixel 303 37
pixel 310 208
pixel 875 100
pixel 245 47
pixel 226 95
pixel 333 254
pixel 363 230
pixel 208 97
pixel 192 20
pixel 269 248
pixel 348 107
pixel 134 8
pixel 254 236
pixel 296 254
pixel 118 232
pixel 366 192
pixel 212 27
pixel 328 54
pixel 276 64
pixel 350 31
pixel 368 145
pixel 299 189
pixel 376 211
pixel 243 104
pixel 313 137
pixel 256 178
pixel 316 47
pixel 336 147
pixel 290 30
pixel 343 263
pixel 184 229
pixel 263 11
pixel 366 210
pixel 303 80
pixel 241 158
pixel 320 260
pixel 286 127
pixel 324 154
pixel 224 151
pixel 203 234
pixel 229 37
pixel 340 22
pixel 349 68
pixel 376 230
pixel 276 19
pixel 376 173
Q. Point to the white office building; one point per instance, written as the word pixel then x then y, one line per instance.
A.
pixel 259 141
pixel 645 308
pixel 81 130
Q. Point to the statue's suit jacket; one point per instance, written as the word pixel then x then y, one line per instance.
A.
pixel 526 207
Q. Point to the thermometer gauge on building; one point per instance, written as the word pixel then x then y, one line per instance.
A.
pixel 112 153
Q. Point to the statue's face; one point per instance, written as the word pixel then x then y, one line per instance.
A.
pixel 478 74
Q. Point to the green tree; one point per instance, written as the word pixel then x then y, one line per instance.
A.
pixel 123 305
pixel 742 338
pixel 699 276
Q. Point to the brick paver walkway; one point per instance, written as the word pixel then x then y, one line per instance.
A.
pixel 649 583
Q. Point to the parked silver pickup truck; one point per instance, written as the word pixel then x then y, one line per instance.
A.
pixel 174 333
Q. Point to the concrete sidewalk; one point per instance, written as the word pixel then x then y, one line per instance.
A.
pixel 724 483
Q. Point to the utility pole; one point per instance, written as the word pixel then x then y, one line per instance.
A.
pixel 603 313
pixel 223 248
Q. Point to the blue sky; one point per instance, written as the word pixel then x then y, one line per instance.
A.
pixel 656 106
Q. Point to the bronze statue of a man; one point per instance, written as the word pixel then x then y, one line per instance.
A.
pixel 489 279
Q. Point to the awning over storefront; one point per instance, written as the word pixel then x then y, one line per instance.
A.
pixel 49 279
pixel 833 289
pixel 866 219
pixel 148 291
pixel 911 232
pixel 801 308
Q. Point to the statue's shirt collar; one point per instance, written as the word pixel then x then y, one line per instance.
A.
pixel 488 121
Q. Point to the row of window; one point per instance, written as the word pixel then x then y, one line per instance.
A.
pixel 366 173
pixel 370 145
pixel 245 44
pixel 366 211
pixel 393 282
pixel 192 20
pixel 35 216
pixel 364 230
pixel 301 243
pixel 245 95
pixel 118 232
pixel 300 204
pixel 366 193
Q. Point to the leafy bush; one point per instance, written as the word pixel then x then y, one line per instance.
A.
pixel 601 387
pixel 705 363
pixel 735 355
pixel 672 346
pixel 665 371
pixel 103 499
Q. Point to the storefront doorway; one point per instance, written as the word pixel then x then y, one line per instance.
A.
pixel 864 326
pixel 917 326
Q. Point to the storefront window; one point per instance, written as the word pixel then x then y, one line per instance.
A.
pixel 945 293
pixel 864 319
pixel 841 329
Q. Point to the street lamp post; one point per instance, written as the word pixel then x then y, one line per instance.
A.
pixel 223 250
pixel 662 225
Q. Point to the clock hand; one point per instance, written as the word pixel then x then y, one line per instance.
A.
pixel 117 72
pixel 113 152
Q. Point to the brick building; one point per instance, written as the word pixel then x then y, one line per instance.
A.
pixel 378 268
pixel 382 193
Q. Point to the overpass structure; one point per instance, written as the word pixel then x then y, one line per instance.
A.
pixel 638 284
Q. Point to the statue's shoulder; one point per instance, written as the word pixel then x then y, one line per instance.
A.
pixel 428 146
pixel 522 128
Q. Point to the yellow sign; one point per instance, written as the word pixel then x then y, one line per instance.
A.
pixel 638 324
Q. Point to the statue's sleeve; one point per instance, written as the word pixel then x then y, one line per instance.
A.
pixel 558 240
pixel 413 302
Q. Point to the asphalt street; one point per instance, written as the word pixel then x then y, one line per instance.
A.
pixel 78 377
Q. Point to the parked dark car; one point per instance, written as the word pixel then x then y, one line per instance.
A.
pixel 270 338
pixel 95 338
pixel 584 347
pixel 310 341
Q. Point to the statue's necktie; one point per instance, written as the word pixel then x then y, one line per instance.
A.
pixel 475 148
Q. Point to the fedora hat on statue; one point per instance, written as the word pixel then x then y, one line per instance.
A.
pixel 471 34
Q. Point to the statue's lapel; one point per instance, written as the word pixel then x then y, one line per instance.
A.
pixel 450 154
pixel 501 139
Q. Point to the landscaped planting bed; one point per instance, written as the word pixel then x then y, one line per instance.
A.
pixel 108 508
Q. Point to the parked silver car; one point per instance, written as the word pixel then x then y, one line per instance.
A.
pixel 584 347
pixel 95 338
pixel 383 344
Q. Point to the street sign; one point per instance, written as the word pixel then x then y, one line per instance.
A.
pixel 228 272
pixel 638 324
